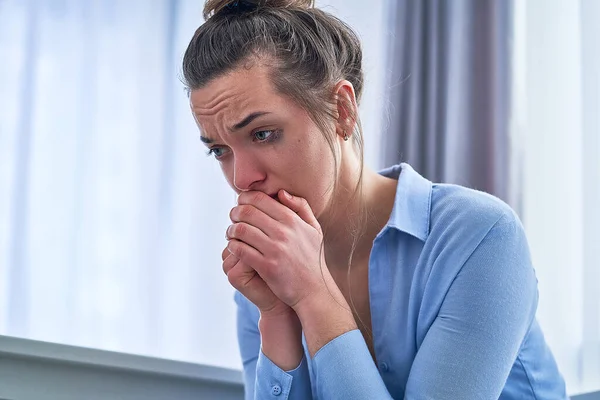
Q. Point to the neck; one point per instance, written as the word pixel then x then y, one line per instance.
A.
pixel 356 217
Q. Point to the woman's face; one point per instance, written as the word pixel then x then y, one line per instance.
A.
pixel 262 139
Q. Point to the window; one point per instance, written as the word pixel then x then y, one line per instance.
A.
pixel 112 219
pixel 557 140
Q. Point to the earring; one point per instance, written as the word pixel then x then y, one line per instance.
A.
pixel 345 136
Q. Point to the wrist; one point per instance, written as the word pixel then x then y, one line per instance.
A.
pixel 282 320
pixel 281 339
pixel 324 317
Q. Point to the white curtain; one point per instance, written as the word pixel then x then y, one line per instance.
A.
pixel 112 219
pixel 556 131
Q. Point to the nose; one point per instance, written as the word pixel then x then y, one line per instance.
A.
pixel 247 173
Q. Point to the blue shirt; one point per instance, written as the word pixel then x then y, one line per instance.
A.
pixel 453 297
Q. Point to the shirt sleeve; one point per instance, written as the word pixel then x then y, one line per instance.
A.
pixel 472 344
pixel 262 378
pixel 344 369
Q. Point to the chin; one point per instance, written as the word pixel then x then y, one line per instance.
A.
pixel 319 209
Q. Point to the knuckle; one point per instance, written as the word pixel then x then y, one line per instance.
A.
pixel 240 212
pixel 239 230
pixel 241 252
pixel 271 265
pixel 302 203
pixel 289 218
pixel 245 211
pixel 232 277
pixel 281 234
pixel 279 248
pixel 270 271
pixel 256 197
pixel 229 263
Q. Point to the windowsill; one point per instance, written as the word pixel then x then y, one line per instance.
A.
pixel 17 348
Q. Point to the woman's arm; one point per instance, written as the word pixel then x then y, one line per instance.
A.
pixel 281 338
pixel 342 364
pixel 248 341
pixel 282 243
pixel 262 377
pixel 324 316
pixel 471 346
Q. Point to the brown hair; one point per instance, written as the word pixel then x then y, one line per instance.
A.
pixel 310 51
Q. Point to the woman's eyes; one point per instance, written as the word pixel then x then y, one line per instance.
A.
pixel 217 152
pixel 266 136
pixel 263 136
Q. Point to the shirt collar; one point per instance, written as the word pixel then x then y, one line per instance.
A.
pixel 412 206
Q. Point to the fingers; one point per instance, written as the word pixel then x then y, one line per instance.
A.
pixel 266 204
pixel 250 235
pixel 253 216
pixel 238 273
pixel 246 253
pixel 225 254
pixel 229 262
pixel 282 211
pixel 300 206
pixel 241 275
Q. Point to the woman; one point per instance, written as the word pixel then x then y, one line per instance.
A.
pixel 352 284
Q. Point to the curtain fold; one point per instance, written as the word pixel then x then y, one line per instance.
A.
pixel 448 91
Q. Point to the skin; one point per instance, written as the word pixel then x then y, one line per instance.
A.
pixel 283 170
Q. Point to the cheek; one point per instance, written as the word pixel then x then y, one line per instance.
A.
pixel 316 176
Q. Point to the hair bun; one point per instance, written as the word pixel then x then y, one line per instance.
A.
pixel 212 7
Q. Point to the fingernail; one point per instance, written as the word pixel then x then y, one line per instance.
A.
pixel 289 196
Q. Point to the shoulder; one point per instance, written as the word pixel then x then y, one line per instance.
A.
pixel 465 225
pixel 463 217
pixel 472 209
pixel 476 245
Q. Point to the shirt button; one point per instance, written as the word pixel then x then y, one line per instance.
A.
pixel 384 367
pixel 276 390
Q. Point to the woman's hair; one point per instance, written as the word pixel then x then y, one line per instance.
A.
pixel 308 50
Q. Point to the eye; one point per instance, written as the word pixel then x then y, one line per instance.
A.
pixel 261 136
pixel 217 152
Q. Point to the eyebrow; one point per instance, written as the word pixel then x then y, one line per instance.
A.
pixel 246 121
pixel 243 123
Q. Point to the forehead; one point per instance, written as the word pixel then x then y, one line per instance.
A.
pixel 234 93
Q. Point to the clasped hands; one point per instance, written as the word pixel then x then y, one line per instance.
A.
pixel 274 255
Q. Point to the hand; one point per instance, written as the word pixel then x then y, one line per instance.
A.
pixel 279 326
pixel 282 242
pixel 250 284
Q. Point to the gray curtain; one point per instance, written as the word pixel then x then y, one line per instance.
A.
pixel 449 91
